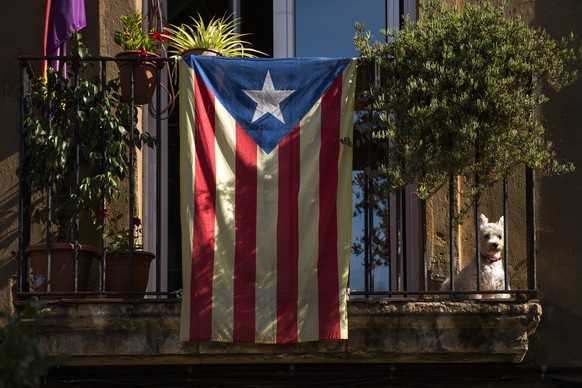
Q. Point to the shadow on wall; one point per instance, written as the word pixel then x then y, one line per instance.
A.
pixel 558 336
pixel 8 234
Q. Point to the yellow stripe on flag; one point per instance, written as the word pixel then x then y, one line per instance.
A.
pixel 308 299
pixel 267 208
pixel 224 239
pixel 344 193
pixel 186 190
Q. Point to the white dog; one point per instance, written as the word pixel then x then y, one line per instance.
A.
pixel 492 274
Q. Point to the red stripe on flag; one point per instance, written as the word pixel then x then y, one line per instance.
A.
pixel 328 283
pixel 287 237
pixel 204 215
pixel 245 229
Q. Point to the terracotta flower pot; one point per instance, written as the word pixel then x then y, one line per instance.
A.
pixel 201 51
pixel 61 278
pixel 117 272
pixel 145 77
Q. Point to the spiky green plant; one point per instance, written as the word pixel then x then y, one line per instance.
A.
pixel 219 35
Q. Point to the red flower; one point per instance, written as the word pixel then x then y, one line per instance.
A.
pixel 159 37
pixel 143 53
pixel 104 213
pixel 136 221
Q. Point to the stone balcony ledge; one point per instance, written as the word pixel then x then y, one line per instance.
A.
pixel 384 331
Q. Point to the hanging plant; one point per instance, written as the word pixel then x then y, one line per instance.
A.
pixel 140 47
pixel 219 35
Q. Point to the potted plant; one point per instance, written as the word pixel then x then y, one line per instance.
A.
pixel 127 264
pixel 218 37
pixel 457 94
pixel 77 153
pixel 140 46
pixel 74 156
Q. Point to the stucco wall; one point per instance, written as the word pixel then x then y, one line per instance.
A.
pixel 558 340
pixel 25 26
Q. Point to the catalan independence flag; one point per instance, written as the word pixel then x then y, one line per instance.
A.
pixel 265 198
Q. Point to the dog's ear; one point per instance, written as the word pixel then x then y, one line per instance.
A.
pixel 501 221
pixel 483 220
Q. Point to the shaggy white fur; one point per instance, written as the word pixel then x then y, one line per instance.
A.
pixel 492 273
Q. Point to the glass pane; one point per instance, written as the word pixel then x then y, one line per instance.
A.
pixel 325 28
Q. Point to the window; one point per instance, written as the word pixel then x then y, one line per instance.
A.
pixel 260 35
pixel 297 29
pixel 314 35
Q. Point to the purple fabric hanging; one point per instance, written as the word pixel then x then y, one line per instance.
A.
pixel 66 16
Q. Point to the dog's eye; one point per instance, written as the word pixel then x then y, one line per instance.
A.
pixel 486 235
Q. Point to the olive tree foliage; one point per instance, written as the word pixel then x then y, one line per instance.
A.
pixel 457 96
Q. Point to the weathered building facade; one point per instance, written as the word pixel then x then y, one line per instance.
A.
pixel 530 334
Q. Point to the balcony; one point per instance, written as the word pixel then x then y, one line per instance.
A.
pixel 380 331
pixel 396 310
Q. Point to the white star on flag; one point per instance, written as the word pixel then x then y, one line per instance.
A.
pixel 268 99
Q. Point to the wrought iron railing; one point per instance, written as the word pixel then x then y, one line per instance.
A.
pixel 400 261
pixel 400 265
pixel 104 69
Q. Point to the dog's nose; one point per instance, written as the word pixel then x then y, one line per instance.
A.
pixel 495 245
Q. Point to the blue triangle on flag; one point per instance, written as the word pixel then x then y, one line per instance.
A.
pixel 267 97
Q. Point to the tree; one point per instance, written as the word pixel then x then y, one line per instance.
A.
pixel 457 96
